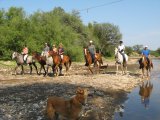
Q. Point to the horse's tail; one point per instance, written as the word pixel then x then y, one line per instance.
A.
pixel 124 63
pixel 151 65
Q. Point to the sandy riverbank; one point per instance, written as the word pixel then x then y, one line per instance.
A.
pixel 24 96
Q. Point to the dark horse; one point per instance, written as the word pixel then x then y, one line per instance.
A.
pixel 43 60
pixel 98 58
pixel 145 64
pixel 145 92
pixel 20 62
pixel 66 61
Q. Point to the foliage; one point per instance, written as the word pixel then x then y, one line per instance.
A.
pixel 128 50
pixel 138 48
pixel 108 36
pixel 53 27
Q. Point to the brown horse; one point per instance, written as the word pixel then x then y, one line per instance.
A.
pixel 145 92
pixel 145 65
pixel 66 61
pixel 43 60
pixel 98 58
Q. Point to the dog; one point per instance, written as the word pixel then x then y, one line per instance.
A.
pixel 68 109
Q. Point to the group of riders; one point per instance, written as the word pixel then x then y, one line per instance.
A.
pixel 91 48
pixel 46 49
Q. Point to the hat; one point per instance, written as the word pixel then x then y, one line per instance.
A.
pixel 146 46
pixel 120 41
pixel 45 43
pixel 54 45
pixel 91 41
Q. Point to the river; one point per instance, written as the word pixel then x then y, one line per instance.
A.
pixel 137 107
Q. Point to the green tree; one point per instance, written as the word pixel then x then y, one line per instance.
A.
pixel 108 36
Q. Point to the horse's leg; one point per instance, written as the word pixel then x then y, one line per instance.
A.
pixel 15 70
pixel 122 69
pixel 34 64
pixel 66 65
pixel 46 71
pixel 60 69
pixel 89 67
pixel 117 68
pixel 30 65
pixel 40 70
pixel 142 72
pixel 99 66
pixel 22 72
pixel 53 69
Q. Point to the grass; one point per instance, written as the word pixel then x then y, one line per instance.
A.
pixel 7 63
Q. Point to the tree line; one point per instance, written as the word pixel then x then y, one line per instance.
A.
pixel 56 26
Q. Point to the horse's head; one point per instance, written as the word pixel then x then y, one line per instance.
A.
pixel 52 53
pixel 14 55
pixel 116 51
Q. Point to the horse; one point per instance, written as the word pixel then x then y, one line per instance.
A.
pixel 66 61
pixel 98 59
pixel 145 92
pixel 145 65
pixel 20 62
pixel 43 60
pixel 120 60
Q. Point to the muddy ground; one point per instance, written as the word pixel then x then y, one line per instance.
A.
pixel 23 97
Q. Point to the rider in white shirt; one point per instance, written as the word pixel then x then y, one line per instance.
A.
pixel 121 49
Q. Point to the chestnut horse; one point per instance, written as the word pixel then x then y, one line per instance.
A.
pixel 66 61
pixel 145 65
pixel 43 60
pixel 98 58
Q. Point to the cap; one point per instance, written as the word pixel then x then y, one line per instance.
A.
pixel 91 41
pixel 146 46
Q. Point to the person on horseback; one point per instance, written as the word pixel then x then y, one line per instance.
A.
pixel 45 50
pixel 61 51
pixel 121 49
pixel 25 53
pixel 146 53
pixel 92 50
pixel 54 48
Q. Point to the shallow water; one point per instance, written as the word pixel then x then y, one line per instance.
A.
pixel 136 108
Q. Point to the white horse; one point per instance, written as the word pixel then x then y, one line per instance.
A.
pixel 120 60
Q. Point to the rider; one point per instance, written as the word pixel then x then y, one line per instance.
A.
pixel 54 48
pixel 92 50
pixel 25 53
pixel 121 49
pixel 45 50
pixel 146 53
pixel 61 51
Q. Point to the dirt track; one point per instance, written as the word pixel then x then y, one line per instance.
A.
pixel 23 97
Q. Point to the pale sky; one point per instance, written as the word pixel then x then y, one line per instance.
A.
pixel 138 20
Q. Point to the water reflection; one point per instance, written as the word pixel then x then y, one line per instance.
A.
pixel 145 92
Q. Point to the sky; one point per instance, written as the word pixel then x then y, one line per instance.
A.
pixel 138 20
